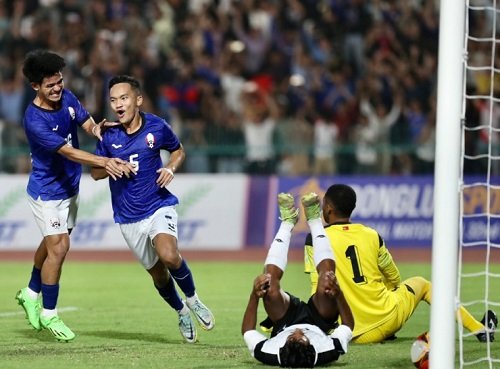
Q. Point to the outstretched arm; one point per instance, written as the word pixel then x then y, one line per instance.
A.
pixel 333 290
pixel 250 317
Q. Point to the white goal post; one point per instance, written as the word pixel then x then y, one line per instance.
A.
pixel 446 183
pixel 468 111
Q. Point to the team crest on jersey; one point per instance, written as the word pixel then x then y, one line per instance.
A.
pixel 71 112
pixel 55 223
pixel 150 139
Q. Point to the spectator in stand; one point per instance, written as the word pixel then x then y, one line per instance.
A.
pixel 259 122
pixel 365 138
pixel 325 142
pixel 378 114
pixel 388 47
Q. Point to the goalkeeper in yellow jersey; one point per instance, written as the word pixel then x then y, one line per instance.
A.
pixel 370 279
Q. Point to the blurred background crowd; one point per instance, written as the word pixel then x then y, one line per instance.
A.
pixel 292 87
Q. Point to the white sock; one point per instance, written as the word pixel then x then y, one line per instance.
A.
pixel 48 313
pixel 184 310
pixel 278 251
pixel 191 300
pixel 32 294
pixel 321 243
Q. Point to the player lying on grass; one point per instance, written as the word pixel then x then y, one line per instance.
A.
pixel 143 206
pixel 300 335
pixel 370 280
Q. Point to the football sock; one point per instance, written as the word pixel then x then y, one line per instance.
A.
pixel 50 293
pixel 192 299
pixel 48 313
pixel 321 243
pixel 184 279
pixel 170 295
pixel 420 287
pixel 32 294
pixel 278 251
pixel 468 321
pixel 35 283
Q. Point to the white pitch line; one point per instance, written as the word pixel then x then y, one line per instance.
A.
pixel 59 310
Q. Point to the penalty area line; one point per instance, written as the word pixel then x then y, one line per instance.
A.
pixel 59 310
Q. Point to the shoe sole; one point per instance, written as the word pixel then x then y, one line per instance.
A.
pixel 308 200
pixel 287 201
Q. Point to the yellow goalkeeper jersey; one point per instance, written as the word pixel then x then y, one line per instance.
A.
pixel 365 271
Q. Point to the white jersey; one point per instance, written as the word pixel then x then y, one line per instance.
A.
pixel 328 347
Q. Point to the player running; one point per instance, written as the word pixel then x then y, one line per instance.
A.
pixel 143 206
pixel 50 123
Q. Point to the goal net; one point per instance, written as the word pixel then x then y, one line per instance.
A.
pixel 478 285
pixel 466 182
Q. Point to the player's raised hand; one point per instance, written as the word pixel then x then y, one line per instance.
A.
pixel 99 128
pixel 332 288
pixel 261 284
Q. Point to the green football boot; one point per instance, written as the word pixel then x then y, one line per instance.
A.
pixel 31 307
pixel 58 329
pixel 312 206
pixel 288 212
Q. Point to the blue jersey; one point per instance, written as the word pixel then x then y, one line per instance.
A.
pixel 53 177
pixel 139 196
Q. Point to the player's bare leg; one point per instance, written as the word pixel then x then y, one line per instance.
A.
pixel 328 299
pixel 165 286
pixel 168 252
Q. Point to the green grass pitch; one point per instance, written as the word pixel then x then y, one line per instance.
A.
pixel 121 322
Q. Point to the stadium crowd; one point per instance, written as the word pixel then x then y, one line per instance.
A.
pixel 295 87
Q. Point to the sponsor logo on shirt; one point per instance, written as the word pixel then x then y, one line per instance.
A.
pixel 55 128
pixel 115 146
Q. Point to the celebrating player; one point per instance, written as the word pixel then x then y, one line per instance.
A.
pixel 143 206
pixel 300 335
pixel 50 123
pixel 370 279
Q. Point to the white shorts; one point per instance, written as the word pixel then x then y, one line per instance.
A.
pixel 55 216
pixel 139 236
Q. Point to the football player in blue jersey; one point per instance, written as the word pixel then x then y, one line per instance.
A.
pixel 142 204
pixel 50 123
pixel 301 331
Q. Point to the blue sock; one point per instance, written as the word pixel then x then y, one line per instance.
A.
pixel 50 293
pixel 35 283
pixel 184 279
pixel 170 295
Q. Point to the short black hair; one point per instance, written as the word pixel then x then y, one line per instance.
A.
pixel 343 199
pixel 41 63
pixel 297 355
pixel 123 78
